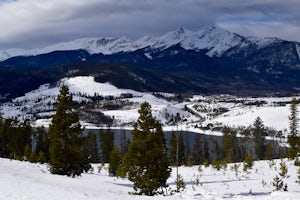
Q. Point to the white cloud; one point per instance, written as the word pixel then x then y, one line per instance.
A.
pixel 34 23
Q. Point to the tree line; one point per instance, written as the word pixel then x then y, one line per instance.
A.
pixel 145 160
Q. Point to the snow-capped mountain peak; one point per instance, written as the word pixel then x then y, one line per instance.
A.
pixel 213 39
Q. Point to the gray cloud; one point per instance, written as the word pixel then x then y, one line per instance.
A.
pixel 33 23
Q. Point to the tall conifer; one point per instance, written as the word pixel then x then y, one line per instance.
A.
pixel 146 159
pixel 66 140
pixel 293 135
pixel 259 138
pixel 173 149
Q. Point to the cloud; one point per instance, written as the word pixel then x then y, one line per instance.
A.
pixel 36 23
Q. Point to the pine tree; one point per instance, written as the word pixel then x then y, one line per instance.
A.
pixel 248 163
pixel 230 145
pixel 269 154
pixel 32 157
pixel 277 183
pixel 190 161
pixel 205 151
pixel 8 138
pixel 244 147
pixel 197 150
pixel 123 142
pixel 181 150
pixel 27 152
pixel 41 157
pixel 173 149
pixel 42 142
pixel 66 139
pixel 114 161
pixel 298 176
pixel 180 183
pixel 90 147
pixel 107 144
pixel 293 138
pixel 217 149
pixel 19 136
pixel 146 159
pixel 278 180
pixel 259 138
pixel 283 169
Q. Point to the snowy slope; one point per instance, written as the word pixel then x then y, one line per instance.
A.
pixel 22 180
pixel 41 101
pixel 199 111
pixel 212 39
pixel 235 112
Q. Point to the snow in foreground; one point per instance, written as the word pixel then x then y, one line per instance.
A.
pixel 22 180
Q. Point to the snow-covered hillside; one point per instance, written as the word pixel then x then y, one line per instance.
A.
pixel 23 180
pixel 234 111
pixel 121 106
pixel 212 39
pixel 40 102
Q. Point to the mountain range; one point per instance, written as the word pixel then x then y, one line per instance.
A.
pixel 209 61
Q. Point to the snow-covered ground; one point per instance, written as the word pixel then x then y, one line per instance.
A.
pixel 198 111
pixel 23 180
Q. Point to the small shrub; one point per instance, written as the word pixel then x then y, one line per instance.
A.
pixel 277 183
pixel 216 164
pixel 180 184
pixel 248 163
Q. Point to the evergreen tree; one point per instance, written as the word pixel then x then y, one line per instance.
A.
pixel 230 145
pixel 41 157
pixel 269 154
pixel 66 139
pixel 4 136
pixel 173 149
pixel 217 149
pixel 114 161
pixel 244 147
pixel 278 180
pixel 27 152
pixel 190 161
pixel 90 147
pixel 107 144
pixel 293 138
pixel 42 142
pixel 180 183
pixel 124 141
pixel 32 157
pixel 277 183
pixel 20 136
pixel 205 151
pixel 197 150
pixel 248 163
pixel 259 138
pixel 181 150
pixel 283 169
pixel 146 159
pixel 298 176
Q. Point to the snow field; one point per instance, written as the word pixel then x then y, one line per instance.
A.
pixel 23 180
pixel 41 102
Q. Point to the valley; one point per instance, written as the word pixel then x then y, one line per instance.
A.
pixel 119 107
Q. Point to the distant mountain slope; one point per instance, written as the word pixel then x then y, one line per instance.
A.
pixel 211 60
pixel 16 82
pixel 213 39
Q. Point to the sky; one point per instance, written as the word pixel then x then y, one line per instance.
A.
pixel 37 23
